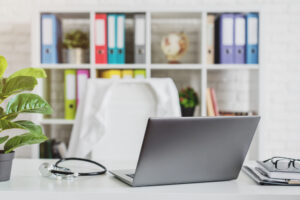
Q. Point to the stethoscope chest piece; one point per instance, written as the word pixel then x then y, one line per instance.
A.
pixel 45 169
pixel 51 171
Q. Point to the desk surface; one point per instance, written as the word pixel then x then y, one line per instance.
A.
pixel 26 183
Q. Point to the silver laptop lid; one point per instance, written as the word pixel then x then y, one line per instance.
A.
pixel 197 149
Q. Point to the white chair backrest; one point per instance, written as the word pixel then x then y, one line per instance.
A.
pixel 128 109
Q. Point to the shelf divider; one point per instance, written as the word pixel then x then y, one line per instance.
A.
pixel 203 60
pixel 92 44
pixel 148 44
pixel 57 121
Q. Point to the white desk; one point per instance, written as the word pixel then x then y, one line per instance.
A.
pixel 26 183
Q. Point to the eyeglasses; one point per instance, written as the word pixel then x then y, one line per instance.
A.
pixel 284 163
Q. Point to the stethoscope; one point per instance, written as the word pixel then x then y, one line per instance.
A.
pixel 58 172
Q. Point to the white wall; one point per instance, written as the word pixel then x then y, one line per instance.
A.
pixel 281 45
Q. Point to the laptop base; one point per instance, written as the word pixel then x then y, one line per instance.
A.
pixel 122 175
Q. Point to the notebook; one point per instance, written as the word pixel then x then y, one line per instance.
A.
pixel 261 179
pixel 273 172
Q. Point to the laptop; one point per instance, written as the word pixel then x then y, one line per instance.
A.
pixel 191 150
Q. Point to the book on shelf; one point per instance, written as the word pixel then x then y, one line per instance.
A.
pixel 70 93
pixel 45 149
pixel 124 73
pixel 252 38
pixel 100 38
pixel 55 93
pixel 53 149
pixel 210 26
pixel 211 102
pixel 120 38
pixel 225 33
pixel 111 73
pixel 139 38
pixel 129 40
pixel 214 101
pixel 127 73
pixel 239 44
pixel 139 73
pixel 116 38
pixel 236 113
pixel 51 37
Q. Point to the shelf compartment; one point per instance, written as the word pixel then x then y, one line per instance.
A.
pixel 213 44
pixel 70 22
pixel 163 24
pixel 236 90
pixel 182 79
pixel 54 91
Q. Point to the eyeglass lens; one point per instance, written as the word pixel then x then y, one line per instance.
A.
pixel 285 163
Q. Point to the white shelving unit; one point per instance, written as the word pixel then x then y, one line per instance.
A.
pixel 202 69
pixel 56 121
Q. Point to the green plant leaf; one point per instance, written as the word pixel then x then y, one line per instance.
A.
pixel 30 126
pixel 3 139
pixel 24 139
pixel 9 117
pixel 2 83
pixel 6 124
pixel 3 65
pixel 34 136
pixel 28 103
pixel 33 72
pixel 18 84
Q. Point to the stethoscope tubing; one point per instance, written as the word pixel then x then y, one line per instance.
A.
pixel 79 173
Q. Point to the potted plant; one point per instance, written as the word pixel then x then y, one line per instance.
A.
pixel 76 47
pixel 188 101
pixel 13 94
